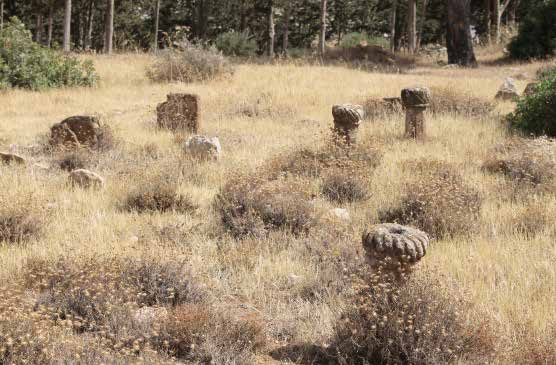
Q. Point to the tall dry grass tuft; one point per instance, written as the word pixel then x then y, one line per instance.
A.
pixel 438 201
pixel 22 215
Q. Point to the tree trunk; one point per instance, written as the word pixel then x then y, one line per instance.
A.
pixel 270 49
pixel 109 27
pixel 411 25
pixel 201 20
pixel 50 25
pixel 322 34
pixel 38 29
pixel 512 13
pixel 422 24
pixel 496 17
pixel 1 14
pixel 67 26
pixel 286 40
pixel 156 23
pixel 458 34
pixel 497 13
pixel 90 23
pixel 242 16
pixel 393 25
pixel 488 15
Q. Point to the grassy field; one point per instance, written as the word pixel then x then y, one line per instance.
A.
pixel 292 288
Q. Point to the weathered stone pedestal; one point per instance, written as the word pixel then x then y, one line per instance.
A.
pixel 347 118
pixel 415 100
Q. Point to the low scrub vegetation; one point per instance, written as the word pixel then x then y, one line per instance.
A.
pixel 158 195
pixel 410 322
pixel 343 187
pixel 438 202
pixel 527 163
pixel 26 64
pixel 254 206
pixel 189 63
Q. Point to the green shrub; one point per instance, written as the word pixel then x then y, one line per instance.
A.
pixel 189 63
pixel 26 64
pixel 354 39
pixel 537 33
pixel 236 44
pixel 536 113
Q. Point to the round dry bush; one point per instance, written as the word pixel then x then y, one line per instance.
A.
pixel 95 293
pixel 22 216
pixel 439 202
pixel 79 159
pixel 251 205
pixel 160 194
pixel 422 320
pixel 204 334
pixel 343 187
pixel 313 162
pixel 527 162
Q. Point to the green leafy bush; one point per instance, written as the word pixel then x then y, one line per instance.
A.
pixel 26 64
pixel 536 113
pixel 236 44
pixel 537 33
pixel 189 63
pixel 355 38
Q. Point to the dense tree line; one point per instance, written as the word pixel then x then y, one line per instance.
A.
pixel 276 25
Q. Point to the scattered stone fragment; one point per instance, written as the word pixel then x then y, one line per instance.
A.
pixel 86 179
pixel 347 118
pixel 11 158
pixel 203 148
pixel 415 101
pixel 180 112
pixel 394 246
pixel 508 90
pixel 76 131
pixel 146 316
pixel 341 214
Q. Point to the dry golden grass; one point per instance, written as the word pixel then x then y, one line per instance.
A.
pixel 297 285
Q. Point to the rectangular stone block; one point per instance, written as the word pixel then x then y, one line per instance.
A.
pixel 180 112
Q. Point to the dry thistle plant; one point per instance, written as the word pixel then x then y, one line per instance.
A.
pixel 438 202
pixel 409 321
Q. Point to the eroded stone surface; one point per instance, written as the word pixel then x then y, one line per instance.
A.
pixel 76 131
pixel 203 147
pixel 179 112
pixel 394 245
pixel 86 179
